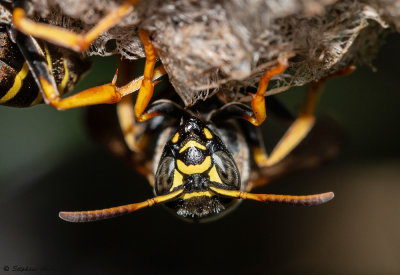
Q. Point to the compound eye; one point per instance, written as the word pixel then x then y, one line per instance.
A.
pixel 164 176
pixel 227 169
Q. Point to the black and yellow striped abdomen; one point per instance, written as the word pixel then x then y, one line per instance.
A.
pixel 18 87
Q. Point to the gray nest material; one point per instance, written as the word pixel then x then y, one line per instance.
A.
pixel 208 46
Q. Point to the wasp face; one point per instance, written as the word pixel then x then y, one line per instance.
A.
pixel 193 160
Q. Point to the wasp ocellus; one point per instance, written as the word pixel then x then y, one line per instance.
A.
pixel 208 157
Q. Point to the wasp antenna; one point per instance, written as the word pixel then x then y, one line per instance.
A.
pixel 97 215
pixel 315 199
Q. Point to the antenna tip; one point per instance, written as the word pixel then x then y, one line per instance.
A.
pixel 325 197
pixel 70 217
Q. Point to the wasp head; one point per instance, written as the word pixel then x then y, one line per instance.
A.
pixel 195 159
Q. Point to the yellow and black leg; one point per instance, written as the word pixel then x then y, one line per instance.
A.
pixel 66 38
pixel 301 126
pixel 128 118
pixel 137 138
pixel 137 135
pixel 294 135
pixel 107 93
pixel 41 71
pixel 130 129
pixel 142 113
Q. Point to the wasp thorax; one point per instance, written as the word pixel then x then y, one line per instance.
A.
pixel 193 160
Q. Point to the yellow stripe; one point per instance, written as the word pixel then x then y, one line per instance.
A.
pixel 213 174
pixel 38 99
pixel 64 81
pixel 175 138
pixel 194 169
pixel 196 194
pixel 207 133
pixel 48 57
pixel 192 143
pixel 19 78
pixel 178 179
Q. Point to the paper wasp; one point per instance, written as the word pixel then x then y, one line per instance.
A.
pixel 201 164
pixel 33 71
pixel 23 60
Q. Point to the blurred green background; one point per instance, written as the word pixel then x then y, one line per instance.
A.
pixel 49 163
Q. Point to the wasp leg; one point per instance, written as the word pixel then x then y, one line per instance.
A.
pixel 107 93
pixel 146 89
pixel 40 69
pixel 131 130
pixel 127 122
pixel 254 136
pixel 255 140
pixel 258 101
pixel 240 110
pixel 136 135
pixel 294 135
pixel 66 38
pixel 300 127
pixel 127 117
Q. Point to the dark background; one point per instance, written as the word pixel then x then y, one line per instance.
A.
pixel 48 163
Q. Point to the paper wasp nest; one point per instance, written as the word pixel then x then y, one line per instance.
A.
pixel 213 45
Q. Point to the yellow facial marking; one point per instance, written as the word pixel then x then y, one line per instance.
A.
pixel 194 169
pixel 207 133
pixel 19 78
pixel 175 138
pixel 213 174
pixel 192 143
pixel 178 179
pixel 197 194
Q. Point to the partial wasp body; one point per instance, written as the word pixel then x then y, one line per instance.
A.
pixel 24 60
pixel 209 161
pixel 207 157
pixel 197 156
pixel 33 71
pixel 201 163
